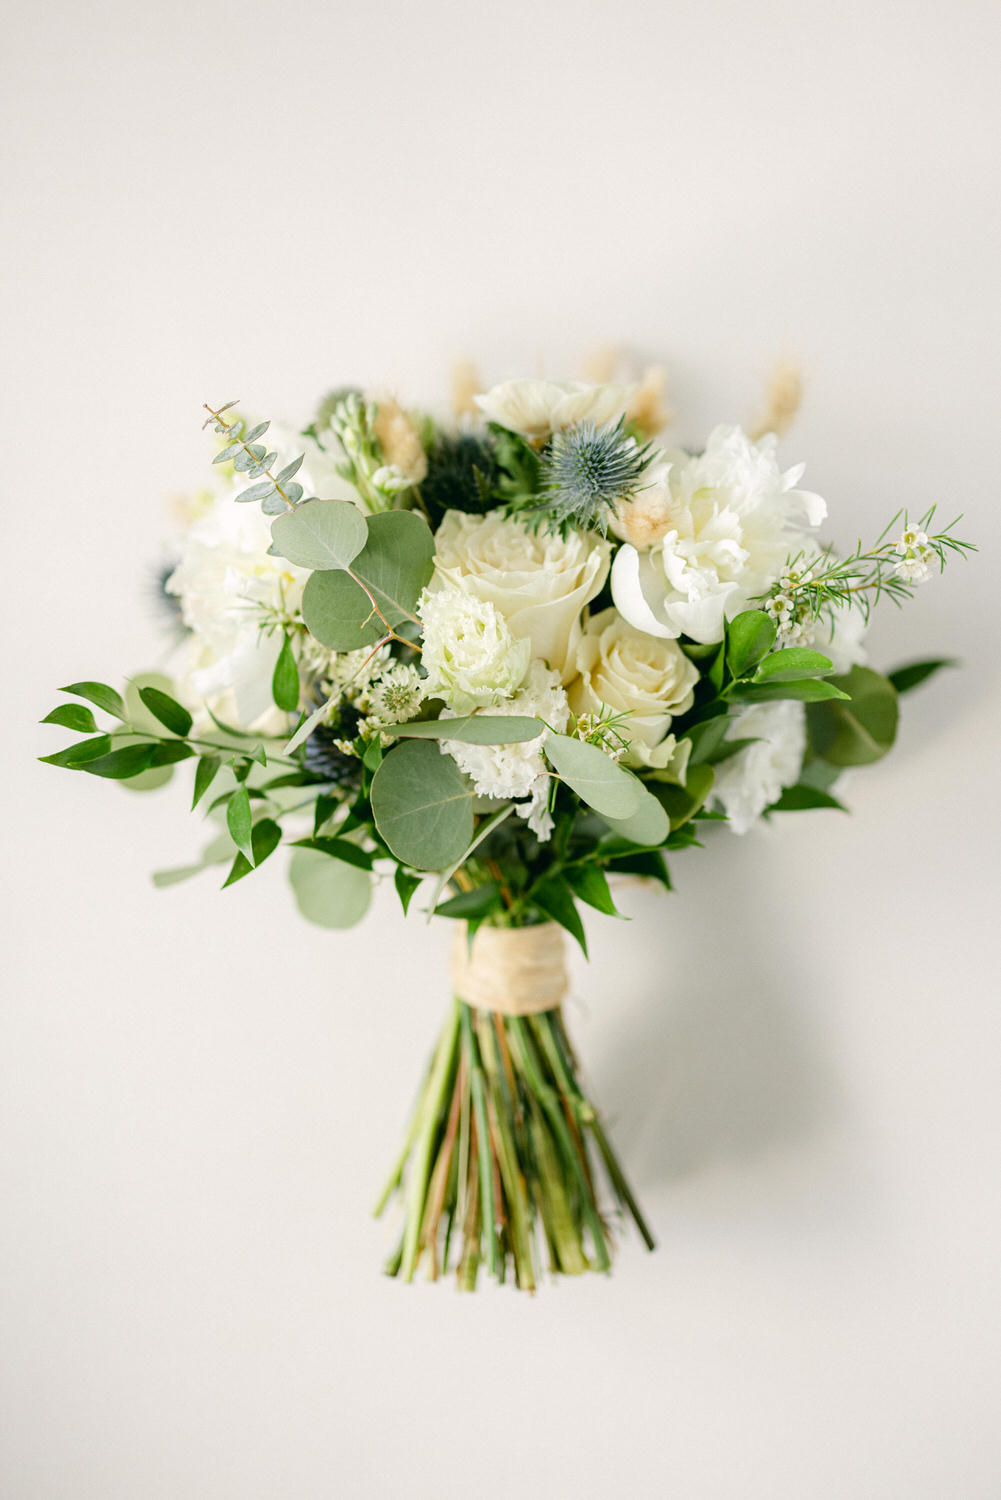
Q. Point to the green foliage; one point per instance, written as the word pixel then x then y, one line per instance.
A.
pixel 264 840
pixel 406 886
pixel 327 891
pixel 349 610
pixel 167 710
pixel 598 781
pixel 803 797
pixel 683 802
pixel 554 896
pixel 205 773
pixel 858 732
pixel 100 694
pixel 338 848
pixel 648 826
pixel 805 690
pixel 285 680
pixel 480 902
pixel 239 821
pixel 749 636
pixel 590 885
pixel 473 729
pixel 72 716
pixel 791 664
pixel 320 534
pixel 422 806
pixel 905 679
pixel 75 757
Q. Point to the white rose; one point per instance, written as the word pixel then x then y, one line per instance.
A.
pixel 735 520
pixel 471 658
pixel 540 583
pixel 535 408
pixel 632 672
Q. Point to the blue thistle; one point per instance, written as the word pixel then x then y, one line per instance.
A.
pixel 587 470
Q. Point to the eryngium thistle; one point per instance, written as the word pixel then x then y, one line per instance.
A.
pixel 587 470
pixel 461 475
pixel 325 758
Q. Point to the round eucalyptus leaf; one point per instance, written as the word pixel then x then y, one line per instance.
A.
pixel 320 534
pixel 597 779
pixel 394 565
pixel 422 805
pixel 328 891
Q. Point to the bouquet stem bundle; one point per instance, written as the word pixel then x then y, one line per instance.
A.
pixel 501 1165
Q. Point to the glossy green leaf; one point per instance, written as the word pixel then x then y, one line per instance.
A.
pixel 320 534
pixel 335 848
pixel 791 664
pixel 553 896
pixel 205 773
pixel 406 885
pixel 806 690
pixel 597 779
pixel 119 765
pixel 76 756
pixel 285 680
pixel 803 798
pixel 166 710
pixel 99 693
pixel 422 805
pixel 264 840
pixel 683 802
pixel 905 679
pixel 328 891
pixel 858 732
pixel 395 565
pixel 480 902
pixel 749 636
pixel 239 821
pixel 590 885
pixel 72 716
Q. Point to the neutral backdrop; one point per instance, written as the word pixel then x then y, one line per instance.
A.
pixel 799 1050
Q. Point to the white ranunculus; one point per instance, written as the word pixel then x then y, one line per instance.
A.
pixel 505 772
pixel 735 519
pixel 753 779
pixel 632 672
pixel 471 658
pixel 223 579
pixel 540 583
pixel 535 408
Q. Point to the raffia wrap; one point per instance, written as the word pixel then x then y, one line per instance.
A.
pixel 516 971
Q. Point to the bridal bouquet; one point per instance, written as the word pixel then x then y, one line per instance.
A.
pixel 501 661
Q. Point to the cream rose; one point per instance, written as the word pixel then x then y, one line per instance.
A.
pixel 631 672
pixel 535 408
pixel 539 583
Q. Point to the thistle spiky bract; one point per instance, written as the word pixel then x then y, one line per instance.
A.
pixel 587 470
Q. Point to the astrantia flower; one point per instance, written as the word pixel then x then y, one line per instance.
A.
pixel 396 695
pixel 518 771
pixel 627 670
pixel 535 408
pixel 471 658
pixel 735 519
pixel 753 779
pixel 539 583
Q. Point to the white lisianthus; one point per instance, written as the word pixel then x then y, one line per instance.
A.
pixel 631 672
pixel 471 658
pixel 505 772
pixel 535 408
pixel 753 779
pixel 540 583
pixel 735 519
pixel 224 580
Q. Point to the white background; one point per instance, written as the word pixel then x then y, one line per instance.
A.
pixel 799 1050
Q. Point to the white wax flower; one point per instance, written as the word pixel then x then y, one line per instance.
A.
pixel 634 673
pixel 753 779
pixel 471 658
pixel 539 582
pixel 535 408
pixel 503 772
pixel 735 519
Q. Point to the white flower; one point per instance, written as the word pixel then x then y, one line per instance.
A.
pixel 915 556
pixel 224 580
pixel 502 772
pixel 647 517
pixel 735 520
pixel 649 679
pixel 535 408
pixel 753 779
pixel 540 583
pixel 471 658
pixel 396 695
pixel 839 636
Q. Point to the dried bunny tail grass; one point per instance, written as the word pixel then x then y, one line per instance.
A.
pixel 783 397
pixel 400 439
pixel 465 385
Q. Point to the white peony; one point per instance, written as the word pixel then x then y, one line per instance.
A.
pixel 224 578
pixel 540 583
pixel 469 654
pixel 735 520
pixel 635 673
pixel 753 779
pixel 535 408
pixel 503 772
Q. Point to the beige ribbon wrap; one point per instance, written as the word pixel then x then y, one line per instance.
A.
pixel 515 971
